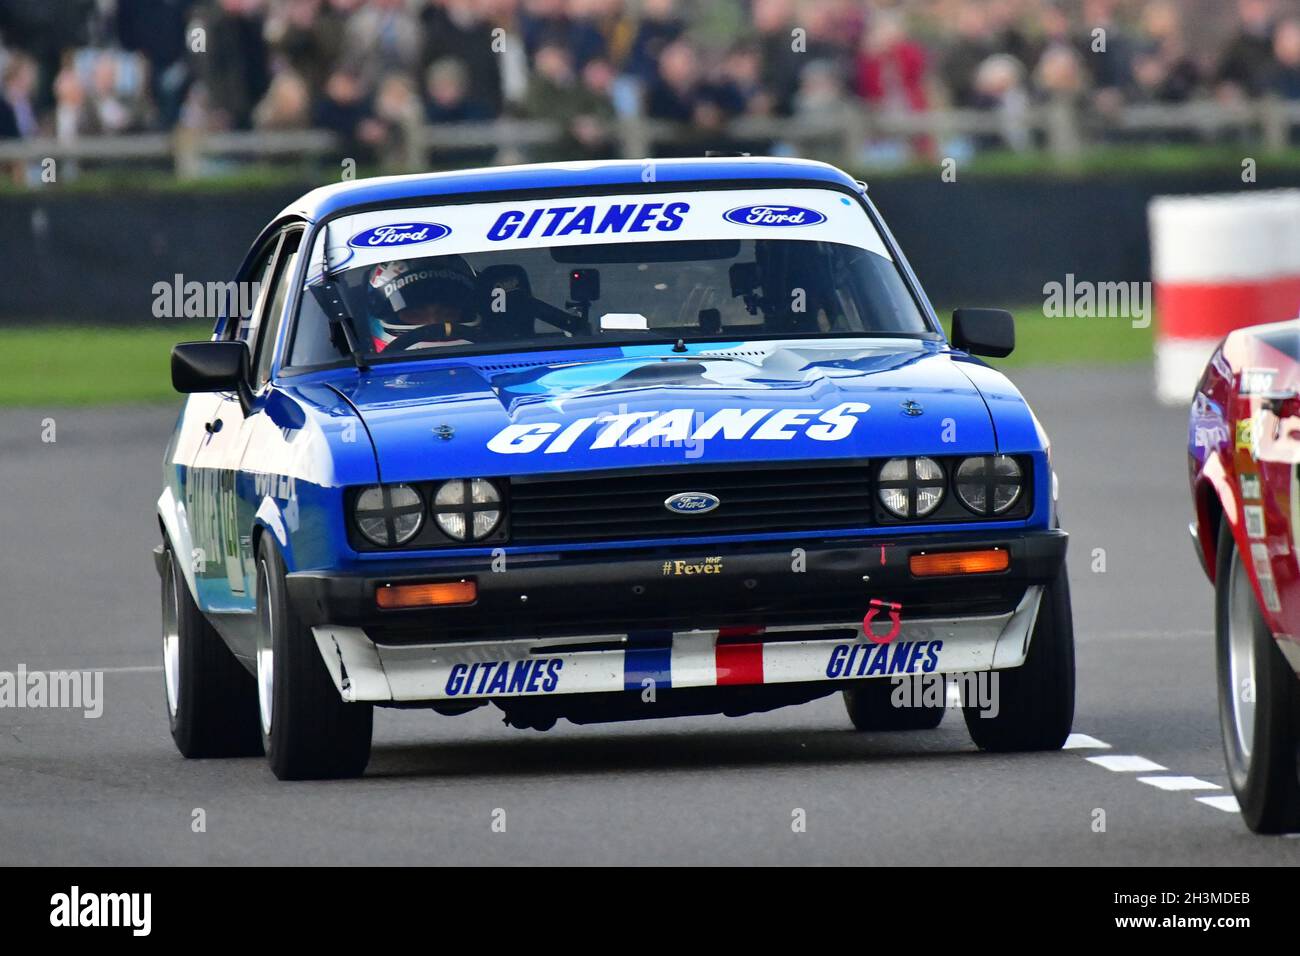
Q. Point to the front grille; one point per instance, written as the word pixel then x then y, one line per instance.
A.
pixel 770 498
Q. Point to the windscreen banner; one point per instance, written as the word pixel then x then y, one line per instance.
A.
pixel 812 214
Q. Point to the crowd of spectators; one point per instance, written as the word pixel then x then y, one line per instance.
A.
pixel 366 69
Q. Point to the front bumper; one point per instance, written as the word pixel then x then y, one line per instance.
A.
pixel 668 589
pixel 565 623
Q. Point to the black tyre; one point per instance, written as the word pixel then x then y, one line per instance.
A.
pixel 871 706
pixel 1035 701
pixel 309 731
pixel 1259 705
pixel 211 698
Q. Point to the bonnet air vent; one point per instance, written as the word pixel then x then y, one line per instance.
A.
pixel 509 366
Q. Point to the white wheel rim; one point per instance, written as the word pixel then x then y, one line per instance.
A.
pixel 171 639
pixel 1241 660
pixel 265 653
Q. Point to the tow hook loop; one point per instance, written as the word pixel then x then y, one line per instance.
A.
pixel 895 617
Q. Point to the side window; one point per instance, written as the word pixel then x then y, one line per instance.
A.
pixel 275 299
pixel 248 296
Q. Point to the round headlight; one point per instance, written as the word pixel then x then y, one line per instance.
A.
pixel 989 484
pixel 389 515
pixel 910 487
pixel 467 510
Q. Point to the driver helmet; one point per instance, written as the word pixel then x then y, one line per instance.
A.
pixel 408 294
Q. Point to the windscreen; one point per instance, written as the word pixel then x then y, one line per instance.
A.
pixel 618 270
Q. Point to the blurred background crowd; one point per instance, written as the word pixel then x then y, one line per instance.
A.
pixel 366 69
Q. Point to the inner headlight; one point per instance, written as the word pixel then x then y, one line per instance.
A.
pixel 467 509
pixel 989 484
pixel 910 487
pixel 388 515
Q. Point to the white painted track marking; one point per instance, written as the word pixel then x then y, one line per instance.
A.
pixel 1228 803
pixel 1126 764
pixel 1179 783
pixel 1131 763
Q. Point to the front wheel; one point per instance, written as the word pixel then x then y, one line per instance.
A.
pixel 1259 706
pixel 309 731
pixel 1035 701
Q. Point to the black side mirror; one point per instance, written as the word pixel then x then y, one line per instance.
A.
pixel 212 367
pixel 990 332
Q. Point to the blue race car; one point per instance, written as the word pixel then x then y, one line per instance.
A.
pixel 601 441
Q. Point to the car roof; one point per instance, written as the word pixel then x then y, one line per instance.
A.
pixel 328 200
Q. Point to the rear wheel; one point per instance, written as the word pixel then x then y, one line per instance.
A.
pixel 211 698
pixel 309 731
pixel 871 706
pixel 1259 702
pixel 1035 701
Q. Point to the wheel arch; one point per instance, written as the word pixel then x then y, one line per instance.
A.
pixel 174 525
pixel 1215 501
pixel 270 520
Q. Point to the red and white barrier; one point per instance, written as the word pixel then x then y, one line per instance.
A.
pixel 1219 263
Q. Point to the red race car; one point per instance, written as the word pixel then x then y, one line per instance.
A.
pixel 1244 464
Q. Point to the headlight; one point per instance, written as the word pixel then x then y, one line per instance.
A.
pixel 910 487
pixel 467 510
pixel 989 484
pixel 388 515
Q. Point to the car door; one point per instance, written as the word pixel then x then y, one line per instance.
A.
pixel 223 562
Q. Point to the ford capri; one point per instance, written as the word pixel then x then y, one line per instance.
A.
pixel 597 442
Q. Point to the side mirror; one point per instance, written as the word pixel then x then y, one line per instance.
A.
pixel 990 332
pixel 212 367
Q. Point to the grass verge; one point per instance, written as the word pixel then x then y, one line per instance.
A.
pixel 47 365
pixel 1041 340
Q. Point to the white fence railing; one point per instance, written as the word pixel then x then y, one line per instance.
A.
pixel 1061 129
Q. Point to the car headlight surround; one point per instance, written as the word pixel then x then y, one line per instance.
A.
pixel 988 485
pixel 910 487
pixel 467 509
pixel 388 516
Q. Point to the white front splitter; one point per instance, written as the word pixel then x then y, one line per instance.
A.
pixel 365 671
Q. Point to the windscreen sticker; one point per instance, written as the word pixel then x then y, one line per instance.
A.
pixel 816 214
pixel 399 234
pixel 773 215
pixel 588 220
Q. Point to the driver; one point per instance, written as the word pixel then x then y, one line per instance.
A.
pixel 437 294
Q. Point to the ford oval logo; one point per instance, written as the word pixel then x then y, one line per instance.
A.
pixel 399 234
pixel 773 216
pixel 692 503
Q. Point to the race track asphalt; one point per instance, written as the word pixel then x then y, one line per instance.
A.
pixel 78 591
